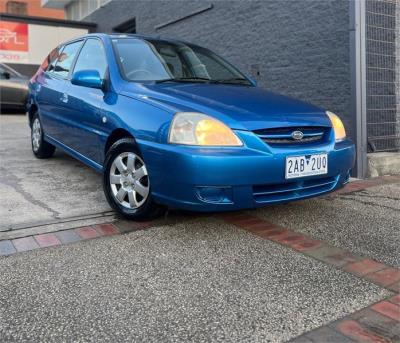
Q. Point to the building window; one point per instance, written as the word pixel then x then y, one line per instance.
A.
pixel 80 9
pixel 17 7
pixel 128 26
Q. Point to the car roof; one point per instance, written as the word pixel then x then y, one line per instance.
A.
pixel 148 37
pixel 131 35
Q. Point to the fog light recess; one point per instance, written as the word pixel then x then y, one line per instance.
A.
pixel 215 194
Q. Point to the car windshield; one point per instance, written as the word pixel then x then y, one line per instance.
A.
pixel 9 70
pixel 162 61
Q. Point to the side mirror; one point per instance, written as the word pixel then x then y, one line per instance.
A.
pixel 87 78
pixel 5 75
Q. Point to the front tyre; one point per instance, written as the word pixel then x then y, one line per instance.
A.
pixel 126 182
pixel 40 148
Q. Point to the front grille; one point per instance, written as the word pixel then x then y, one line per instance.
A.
pixel 293 190
pixel 283 135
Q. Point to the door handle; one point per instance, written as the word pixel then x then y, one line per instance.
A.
pixel 64 98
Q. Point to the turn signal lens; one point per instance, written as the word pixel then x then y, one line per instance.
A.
pixel 338 127
pixel 192 128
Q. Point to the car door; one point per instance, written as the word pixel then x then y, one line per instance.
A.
pixel 87 106
pixel 52 97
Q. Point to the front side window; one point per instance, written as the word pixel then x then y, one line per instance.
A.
pixel 65 59
pixel 155 60
pixel 92 57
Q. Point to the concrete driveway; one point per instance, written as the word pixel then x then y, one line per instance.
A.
pixel 320 270
pixel 37 192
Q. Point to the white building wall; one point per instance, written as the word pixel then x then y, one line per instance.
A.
pixel 77 9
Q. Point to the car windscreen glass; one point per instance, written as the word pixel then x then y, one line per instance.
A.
pixel 10 70
pixel 155 60
pixel 3 72
pixel 138 60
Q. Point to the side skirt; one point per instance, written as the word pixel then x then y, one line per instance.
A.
pixel 75 154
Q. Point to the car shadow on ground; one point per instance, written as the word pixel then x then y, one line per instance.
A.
pixel 7 111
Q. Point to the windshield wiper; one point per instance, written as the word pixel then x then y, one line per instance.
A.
pixel 237 80
pixel 185 79
pixel 233 81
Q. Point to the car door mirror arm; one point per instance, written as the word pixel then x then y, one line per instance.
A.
pixel 106 86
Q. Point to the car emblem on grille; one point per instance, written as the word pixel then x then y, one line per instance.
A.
pixel 297 135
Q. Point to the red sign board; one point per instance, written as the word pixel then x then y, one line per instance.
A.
pixel 13 36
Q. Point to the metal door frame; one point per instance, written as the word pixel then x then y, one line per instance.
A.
pixel 358 84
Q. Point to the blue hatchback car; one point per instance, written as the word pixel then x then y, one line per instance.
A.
pixel 171 124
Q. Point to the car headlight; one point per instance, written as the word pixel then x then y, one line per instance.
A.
pixel 191 128
pixel 338 127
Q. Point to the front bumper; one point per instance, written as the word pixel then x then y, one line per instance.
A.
pixel 225 179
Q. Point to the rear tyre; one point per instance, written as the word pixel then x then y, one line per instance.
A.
pixel 126 182
pixel 40 148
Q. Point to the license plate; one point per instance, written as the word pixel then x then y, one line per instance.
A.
pixel 306 165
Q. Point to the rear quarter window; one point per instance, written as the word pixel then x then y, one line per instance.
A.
pixel 65 59
pixel 50 60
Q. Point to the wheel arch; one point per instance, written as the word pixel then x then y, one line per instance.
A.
pixel 31 112
pixel 116 135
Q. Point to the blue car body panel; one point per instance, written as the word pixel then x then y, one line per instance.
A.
pixel 81 120
pixel 240 107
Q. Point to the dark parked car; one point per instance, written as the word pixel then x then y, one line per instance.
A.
pixel 13 89
pixel 171 123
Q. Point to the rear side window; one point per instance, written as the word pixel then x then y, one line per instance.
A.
pixel 92 57
pixel 50 61
pixel 66 58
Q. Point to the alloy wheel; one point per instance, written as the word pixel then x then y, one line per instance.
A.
pixel 129 180
pixel 36 134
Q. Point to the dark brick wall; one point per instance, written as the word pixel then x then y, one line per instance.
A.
pixel 397 44
pixel 301 48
